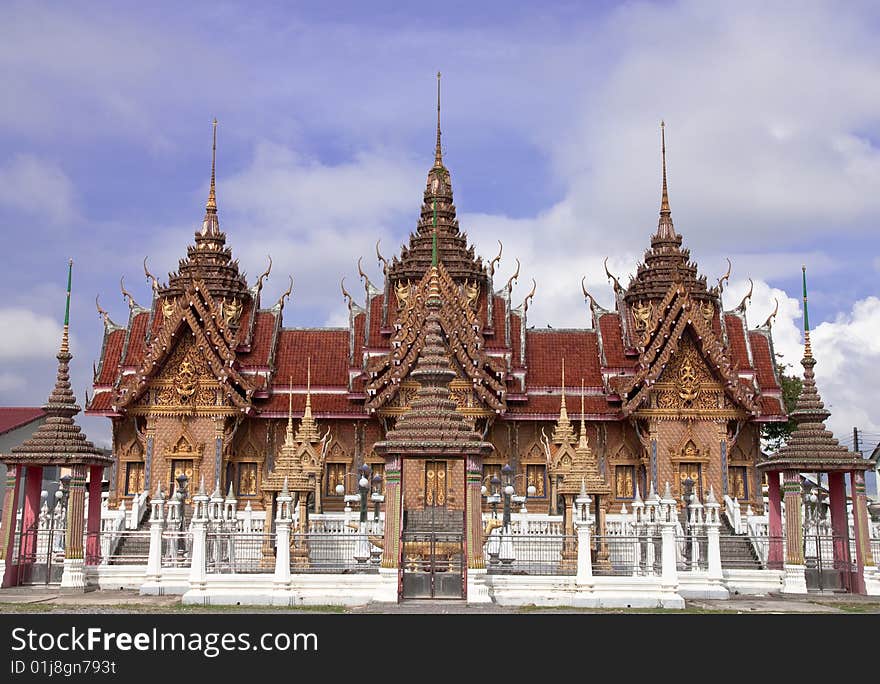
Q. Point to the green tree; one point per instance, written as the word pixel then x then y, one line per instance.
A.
pixel 776 435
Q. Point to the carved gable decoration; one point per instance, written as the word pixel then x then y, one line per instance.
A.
pixel 688 449
pixel 478 390
pixel 684 368
pixel 190 362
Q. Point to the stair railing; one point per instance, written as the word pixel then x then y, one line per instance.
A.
pixel 733 513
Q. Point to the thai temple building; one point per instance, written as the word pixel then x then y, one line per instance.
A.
pixel 436 404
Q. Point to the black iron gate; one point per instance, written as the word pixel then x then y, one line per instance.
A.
pixel 39 555
pixel 432 565
pixel 827 562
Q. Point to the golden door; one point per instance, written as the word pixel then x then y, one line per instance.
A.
pixel 693 471
pixel 435 483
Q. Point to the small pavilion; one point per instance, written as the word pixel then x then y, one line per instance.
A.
pixel 812 448
pixel 58 442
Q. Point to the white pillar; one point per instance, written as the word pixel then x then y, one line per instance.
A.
pixel 198 577
pixel 152 579
pixel 669 577
pixel 281 578
pixel 584 575
pixel 714 551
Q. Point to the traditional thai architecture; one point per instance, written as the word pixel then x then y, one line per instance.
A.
pixel 812 448
pixel 58 442
pixel 437 381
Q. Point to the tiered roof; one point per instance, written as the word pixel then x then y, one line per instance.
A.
pixel 433 425
pixel 811 446
pixel 59 440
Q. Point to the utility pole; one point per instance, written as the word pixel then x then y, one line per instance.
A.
pixel 856 441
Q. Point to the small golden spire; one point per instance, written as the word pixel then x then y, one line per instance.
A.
pixel 308 410
pixel 212 196
pixel 288 437
pixel 438 152
pixel 582 442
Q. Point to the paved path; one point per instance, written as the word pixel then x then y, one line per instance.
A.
pixel 48 599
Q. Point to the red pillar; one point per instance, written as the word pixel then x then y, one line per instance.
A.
pixel 775 558
pixel 10 508
pixel 860 525
pixel 93 534
pixel 840 527
pixel 33 483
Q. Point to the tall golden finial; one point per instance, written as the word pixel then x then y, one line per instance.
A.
pixel 583 438
pixel 664 200
pixel 438 152
pixel 665 229
pixel 212 195
pixel 563 432
pixel 563 382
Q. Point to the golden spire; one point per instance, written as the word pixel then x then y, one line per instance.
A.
pixel 563 432
pixel 438 153
pixel 665 229
pixel 308 428
pixel 288 436
pixel 212 195
pixel 582 442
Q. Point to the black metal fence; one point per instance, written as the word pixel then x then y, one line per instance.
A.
pixel 523 554
pixel 239 552
pixel 627 556
pixel 692 553
pixel 342 553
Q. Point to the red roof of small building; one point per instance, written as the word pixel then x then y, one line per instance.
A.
pixel 545 350
pixel 14 417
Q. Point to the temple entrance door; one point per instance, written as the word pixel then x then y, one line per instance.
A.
pixel 40 550
pixel 432 558
pixel 435 483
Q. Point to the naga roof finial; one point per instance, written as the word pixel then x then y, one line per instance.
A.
pixel 153 282
pixel 265 274
pixel 770 318
pixel 741 307
pixel 126 295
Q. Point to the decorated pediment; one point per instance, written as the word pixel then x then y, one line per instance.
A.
pixel 684 368
pixel 190 364
pixel 478 388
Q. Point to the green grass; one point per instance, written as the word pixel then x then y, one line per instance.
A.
pixel 175 608
pixel 531 608
pixel 860 607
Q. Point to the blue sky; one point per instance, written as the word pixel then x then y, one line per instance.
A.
pixel 550 130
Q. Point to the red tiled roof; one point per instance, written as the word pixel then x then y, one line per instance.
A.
pixel 545 350
pixel 261 343
pixel 322 404
pixel 328 349
pixel 771 406
pixel 515 344
pixel 359 322
pixel 737 351
pixel 100 402
pixel 110 362
pixel 612 341
pixel 376 339
pixel 548 405
pixel 136 336
pixel 496 341
pixel 763 360
pixel 12 417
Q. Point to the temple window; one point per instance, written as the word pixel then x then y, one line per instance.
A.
pixel 335 476
pixel 134 478
pixel 536 477
pixel 247 479
pixel 624 481
pixel 738 482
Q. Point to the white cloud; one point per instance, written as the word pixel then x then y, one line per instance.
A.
pixel 27 335
pixel 38 188
pixel 11 381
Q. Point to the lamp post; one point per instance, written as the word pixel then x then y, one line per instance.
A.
pixel 351 498
pixel 377 497
pixel 492 493
pixel 181 493
pixel 364 488
pixel 508 490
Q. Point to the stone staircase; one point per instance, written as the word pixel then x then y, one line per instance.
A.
pixel 736 549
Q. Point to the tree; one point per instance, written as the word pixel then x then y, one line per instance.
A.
pixel 775 435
